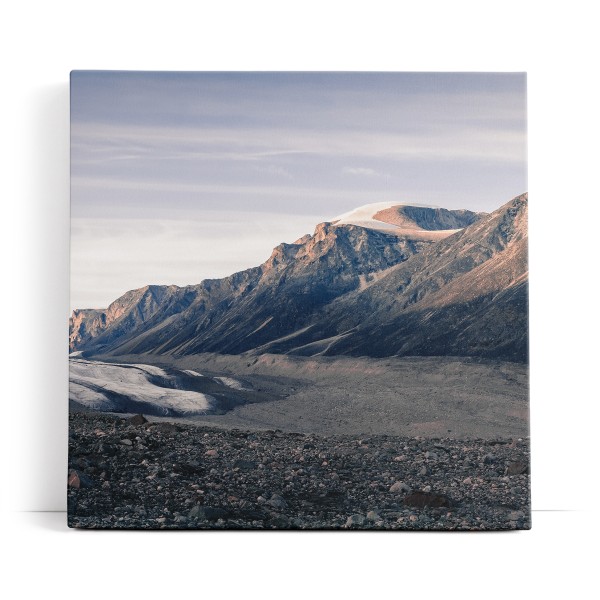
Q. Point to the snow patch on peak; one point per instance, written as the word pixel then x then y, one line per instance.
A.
pixel 363 215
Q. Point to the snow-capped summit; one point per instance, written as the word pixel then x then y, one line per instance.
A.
pixel 417 221
pixel 364 216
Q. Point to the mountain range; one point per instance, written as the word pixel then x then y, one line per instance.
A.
pixel 386 279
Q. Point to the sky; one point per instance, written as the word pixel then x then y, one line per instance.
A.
pixel 180 177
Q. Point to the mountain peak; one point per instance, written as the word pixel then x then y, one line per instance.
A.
pixel 411 220
pixel 364 216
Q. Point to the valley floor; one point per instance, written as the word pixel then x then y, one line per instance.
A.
pixel 421 396
pixel 300 443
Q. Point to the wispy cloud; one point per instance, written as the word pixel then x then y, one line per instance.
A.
pixel 361 171
pixel 274 170
pixel 94 142
pixel 300 147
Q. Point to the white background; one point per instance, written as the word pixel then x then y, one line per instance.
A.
pixel 556 43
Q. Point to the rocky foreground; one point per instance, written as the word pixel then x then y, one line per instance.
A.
pixel 129 473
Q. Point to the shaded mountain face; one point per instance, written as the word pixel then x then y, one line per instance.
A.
pixel 124 315
pixel 463 296
pixel 416 285
pixel 239 312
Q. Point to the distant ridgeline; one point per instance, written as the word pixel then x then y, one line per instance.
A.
pixel 383 280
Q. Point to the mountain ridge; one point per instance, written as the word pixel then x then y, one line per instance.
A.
pixel 345 289
pixel 473 284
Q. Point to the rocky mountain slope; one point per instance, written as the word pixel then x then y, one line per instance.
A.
pixel 122 316
pixel 465 296
pixel 387 280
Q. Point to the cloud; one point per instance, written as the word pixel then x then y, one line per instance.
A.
pixel 169 186
pixel 274 170
pixel 476 142
pixel 364 171
pixel 309 100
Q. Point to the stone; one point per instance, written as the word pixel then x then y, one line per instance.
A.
pixel 212 453
pixel 489 459
pixel 206 513
pixel 427 489
pixel 517 467
pixel 181 519
pixel 190 468
pixel 245 465
pixel 277 501
pixel 515 515
pixel 279 522
pixel 73 479
pixel 373 516
pixel 137 420
pixel 427 499
pixel 355 520
pixel 296 522
pixel 431 455
pixel 77 480
pixel 400 486
pixel 126 442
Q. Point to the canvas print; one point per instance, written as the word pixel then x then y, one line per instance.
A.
pixel 299 301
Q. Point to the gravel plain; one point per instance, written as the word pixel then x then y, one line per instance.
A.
pixel 423 396
pixel 126 472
